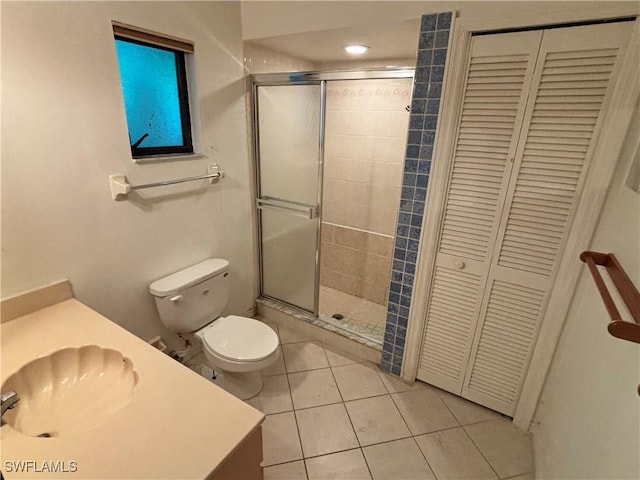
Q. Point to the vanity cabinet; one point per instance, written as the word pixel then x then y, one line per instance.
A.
pixel 244 462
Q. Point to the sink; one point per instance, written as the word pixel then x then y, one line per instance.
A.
pixel 70 390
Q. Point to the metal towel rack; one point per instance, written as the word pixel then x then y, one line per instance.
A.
pixel 120 186
pixel 630 296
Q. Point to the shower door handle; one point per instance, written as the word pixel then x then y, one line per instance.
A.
pixel 309 211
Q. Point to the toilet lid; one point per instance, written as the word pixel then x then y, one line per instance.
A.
pixel 240 338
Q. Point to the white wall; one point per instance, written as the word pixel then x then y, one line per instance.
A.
pixel 270 18
pixel 64 131
pixel 587 424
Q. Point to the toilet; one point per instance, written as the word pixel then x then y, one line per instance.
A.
pixel 192 300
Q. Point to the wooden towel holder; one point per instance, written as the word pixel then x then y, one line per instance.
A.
pixel 617 327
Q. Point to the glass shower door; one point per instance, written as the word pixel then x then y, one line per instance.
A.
pixel 289 160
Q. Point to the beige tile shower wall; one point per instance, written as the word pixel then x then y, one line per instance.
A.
pixel 356 262
pixel 259 59
pixel 362 64
pixel 366 130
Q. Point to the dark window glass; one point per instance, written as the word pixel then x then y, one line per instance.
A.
pixel 155 97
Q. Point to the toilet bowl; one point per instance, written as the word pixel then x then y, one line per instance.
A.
pixel 191 301
pixel 239 347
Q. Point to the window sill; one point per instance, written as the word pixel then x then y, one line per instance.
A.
pixel 170 158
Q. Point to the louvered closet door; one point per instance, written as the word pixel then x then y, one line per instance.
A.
pixel 569 87
pixel 492 112
pixel 523 146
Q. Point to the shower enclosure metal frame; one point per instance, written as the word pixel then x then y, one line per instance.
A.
pixel 294 79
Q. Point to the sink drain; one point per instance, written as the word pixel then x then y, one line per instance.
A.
pixel 338 316
pixel 45 435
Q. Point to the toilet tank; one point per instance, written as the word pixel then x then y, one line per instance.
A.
pixel 189 299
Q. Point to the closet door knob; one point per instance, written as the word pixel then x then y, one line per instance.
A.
pixel 459 264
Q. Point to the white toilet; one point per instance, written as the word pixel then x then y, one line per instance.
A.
pixel 192 299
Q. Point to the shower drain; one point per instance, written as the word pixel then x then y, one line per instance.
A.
pixel 338 316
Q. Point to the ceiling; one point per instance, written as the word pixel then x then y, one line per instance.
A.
pixel 387 41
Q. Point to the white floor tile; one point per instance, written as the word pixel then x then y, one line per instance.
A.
pixel 337 359
pixel 507 448
pixel 288 335
pixel 376 420
pixel 277 368
pixel 349 465
pixel 453 456
pixel 358 381
pixel 325 430
pixel 400 459
pixel 274 397
pixel 286 471
pixel 280 442
pixel 313 388
pixel 526 476
pixel 423 411
pixel 467 412
pixel 304 356
pixel 396 385
pixel 273 326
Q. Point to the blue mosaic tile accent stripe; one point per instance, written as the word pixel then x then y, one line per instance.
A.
pixel 423 120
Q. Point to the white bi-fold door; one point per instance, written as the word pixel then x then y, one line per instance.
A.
pixel 530 115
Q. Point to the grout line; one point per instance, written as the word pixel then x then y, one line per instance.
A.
pixel 447 407
pixel 516 476
pixel 295 418
pixel 425 457
pixel 366 462
pixel 480 421
pixel 406 424
pixel 385 385
pixel 299 341
pixel 324 352
pixel 347 411
pixel 436 431
pixel 480 451
pixel 388 441
pixel 284 463
pixel 331 453
pixel 317 406
pixel 365 398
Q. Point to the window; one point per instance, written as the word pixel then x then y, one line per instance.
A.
pixel 154 85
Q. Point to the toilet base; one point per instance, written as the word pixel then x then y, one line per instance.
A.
pixel 242 385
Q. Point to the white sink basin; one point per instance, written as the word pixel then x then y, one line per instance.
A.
pixel 70 390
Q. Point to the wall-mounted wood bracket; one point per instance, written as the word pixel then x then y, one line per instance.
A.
pixel 628 292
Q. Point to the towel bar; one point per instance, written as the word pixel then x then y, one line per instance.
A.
pixel 631 297
pixel 120 187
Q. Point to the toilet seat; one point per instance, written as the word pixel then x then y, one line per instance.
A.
pixel 239 339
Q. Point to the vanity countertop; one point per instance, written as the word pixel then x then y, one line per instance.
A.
pixel 178 425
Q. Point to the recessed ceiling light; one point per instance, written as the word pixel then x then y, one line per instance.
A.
pixel 356 49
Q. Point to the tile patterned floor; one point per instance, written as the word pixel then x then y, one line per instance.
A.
pixel 361 316
pixel 332 417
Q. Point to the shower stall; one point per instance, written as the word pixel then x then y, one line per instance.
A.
pixel 329 151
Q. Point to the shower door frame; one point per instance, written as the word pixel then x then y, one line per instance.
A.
pixel 305 78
